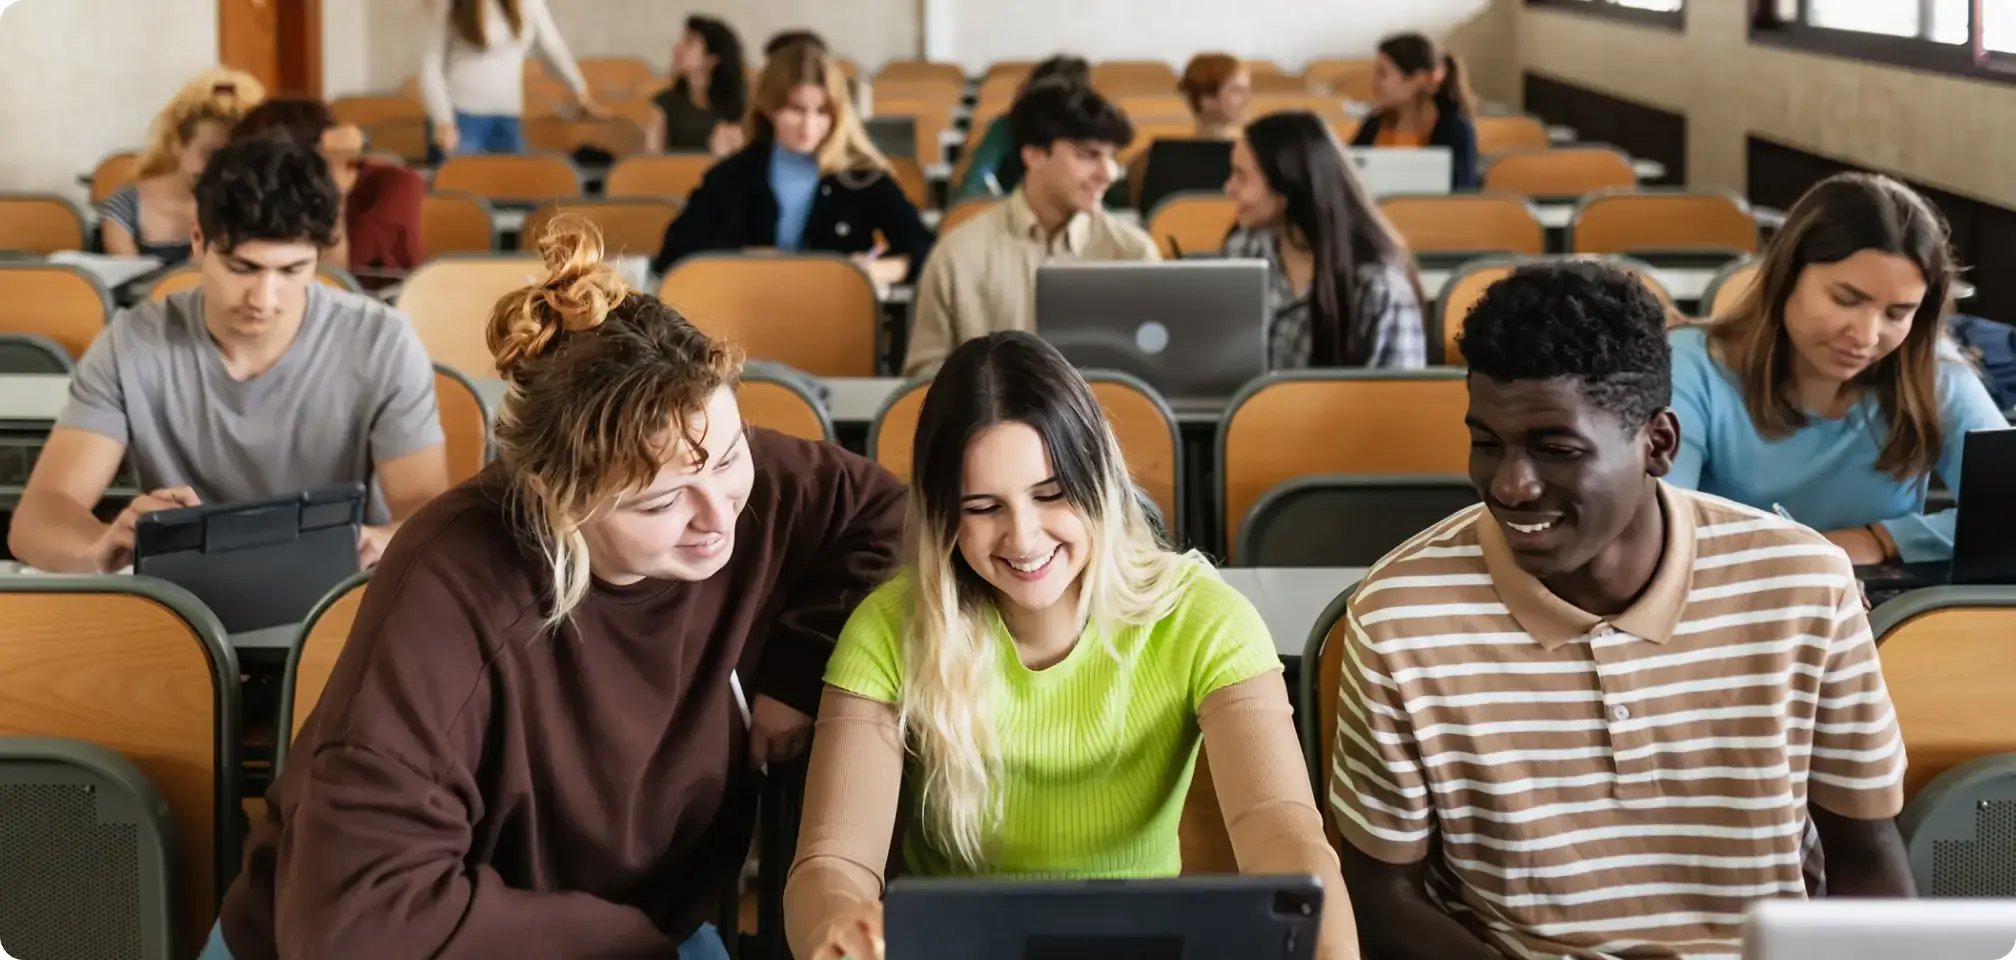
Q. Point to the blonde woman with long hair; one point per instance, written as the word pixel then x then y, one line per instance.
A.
pixel 1034 686
pixel 533 743
pixel 154 215
pixel 808 180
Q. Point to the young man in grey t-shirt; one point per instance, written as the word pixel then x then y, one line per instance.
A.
pixel 260 383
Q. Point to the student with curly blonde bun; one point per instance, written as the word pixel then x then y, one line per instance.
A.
pixel 1035 685
pixel 154 215
pixel 531 744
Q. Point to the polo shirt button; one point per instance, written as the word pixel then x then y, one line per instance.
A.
pixel 1620 713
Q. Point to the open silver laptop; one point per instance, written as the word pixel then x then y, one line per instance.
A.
pixel 1195 330
pixel 1955 929
pixel 1389 170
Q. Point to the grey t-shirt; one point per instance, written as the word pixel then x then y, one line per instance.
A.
pixel 353 390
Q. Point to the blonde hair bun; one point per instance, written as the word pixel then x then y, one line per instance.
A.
pixel 576 294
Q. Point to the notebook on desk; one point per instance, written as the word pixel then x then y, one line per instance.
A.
pixel 1187 918
pixel 259 564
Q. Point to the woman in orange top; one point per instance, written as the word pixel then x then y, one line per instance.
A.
pixel 1420 99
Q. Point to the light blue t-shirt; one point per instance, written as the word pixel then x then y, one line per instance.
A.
pixel 794 178
pixel 1824 474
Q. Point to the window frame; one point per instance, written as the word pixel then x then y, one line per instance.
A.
pixel 1971 59
pixel 1674 20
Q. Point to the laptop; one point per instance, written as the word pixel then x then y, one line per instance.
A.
pixel 1984 535
pixel 1392 170
pixel 1183 166
pixel 260 564
pixel 1957 929
pixel 1188 918
pixel 893 135
pixel 1195 330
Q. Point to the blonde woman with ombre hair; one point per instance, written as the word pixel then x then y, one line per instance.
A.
pixel 535 742
pixel 809 180
pixel 1034 686
pixel 154 215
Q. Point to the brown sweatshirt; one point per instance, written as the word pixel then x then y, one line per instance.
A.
pixel 470 787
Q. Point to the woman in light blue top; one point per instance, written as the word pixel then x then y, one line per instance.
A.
pixel 1830 392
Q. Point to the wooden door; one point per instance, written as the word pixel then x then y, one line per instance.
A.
pixel 277 41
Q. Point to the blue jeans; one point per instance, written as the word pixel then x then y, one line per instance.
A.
pixel 704 944
pixel 489 134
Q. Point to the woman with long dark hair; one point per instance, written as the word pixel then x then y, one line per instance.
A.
pixel 1343 289
pixel 1831 391
pixel 1035 684
pixel 703 109
pixel 1421 99
pixel 472 71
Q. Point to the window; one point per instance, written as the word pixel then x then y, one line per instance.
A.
pixel 1975 37
pixel 1670 14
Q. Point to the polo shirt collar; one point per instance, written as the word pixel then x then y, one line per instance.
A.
pixel 1022 220
pixel 1553 621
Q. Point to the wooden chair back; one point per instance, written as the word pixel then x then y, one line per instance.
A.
pixel 60 302
pixel 817 313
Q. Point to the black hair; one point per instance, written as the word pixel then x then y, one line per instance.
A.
pixel 790 38
pixel 1415 53
pixel 267 187
pixel 1007 377
pixel 728 83
pixel 1056 110
pixel 302 119
pixel 1064 68
pixel 1585 321
pixel 1328 206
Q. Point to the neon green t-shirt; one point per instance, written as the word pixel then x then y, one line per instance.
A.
pixel 1096 757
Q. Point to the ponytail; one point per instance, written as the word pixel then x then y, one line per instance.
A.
pixel 1454 95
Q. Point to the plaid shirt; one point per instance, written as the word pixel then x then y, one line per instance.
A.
pixel 1383 295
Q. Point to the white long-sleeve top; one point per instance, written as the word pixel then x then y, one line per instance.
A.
pixel 456 75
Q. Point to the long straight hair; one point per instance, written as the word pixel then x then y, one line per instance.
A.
pixel 1330 210
pixel 728 82
pixel 467 16
pixel 847 148
pixel 949 653
pixel 1839 217
pixel 1414 53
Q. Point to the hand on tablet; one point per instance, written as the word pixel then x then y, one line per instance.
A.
pixel 855 935
pixel 115 548
pixel 371 543
pixel 776 732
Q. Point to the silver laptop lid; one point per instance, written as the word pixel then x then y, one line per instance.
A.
pixel 1194 329
pixel 1881 930
pixel 1389 170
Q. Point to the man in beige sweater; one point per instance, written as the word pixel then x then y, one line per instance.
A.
pixel 982 276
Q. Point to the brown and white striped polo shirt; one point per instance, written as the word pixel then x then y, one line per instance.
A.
pixel 1618 787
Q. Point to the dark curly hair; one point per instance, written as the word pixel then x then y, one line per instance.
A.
pixel 1587 321
pixel 267 187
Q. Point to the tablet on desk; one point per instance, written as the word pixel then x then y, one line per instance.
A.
pixel 260 564
pixel 1179 918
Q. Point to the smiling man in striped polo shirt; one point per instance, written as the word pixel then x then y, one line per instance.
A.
pixel 1595 715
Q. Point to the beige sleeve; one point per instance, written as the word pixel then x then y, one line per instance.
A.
pixel 851 794
pixel 1263 792
pixel 932 317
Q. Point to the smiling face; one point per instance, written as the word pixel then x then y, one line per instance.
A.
pixel 1844 317
pixel 1561 475
pixel 681 526
pixel 1016 529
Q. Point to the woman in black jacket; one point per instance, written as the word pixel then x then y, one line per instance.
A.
pixel 1420 99
pixel 809 180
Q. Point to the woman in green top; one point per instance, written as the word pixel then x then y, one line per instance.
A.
pixel 1047 668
